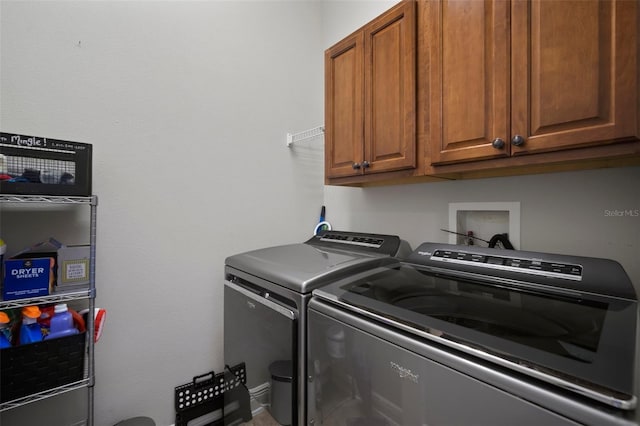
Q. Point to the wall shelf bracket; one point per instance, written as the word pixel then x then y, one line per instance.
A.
pixel 307 134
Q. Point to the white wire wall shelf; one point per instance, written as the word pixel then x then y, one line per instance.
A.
pixel 307 134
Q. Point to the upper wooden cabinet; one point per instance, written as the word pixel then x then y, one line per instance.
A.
pixel 507 78
pixel 370 97
pixel 454 89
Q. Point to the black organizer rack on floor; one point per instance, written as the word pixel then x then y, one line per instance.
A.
pixel 207 395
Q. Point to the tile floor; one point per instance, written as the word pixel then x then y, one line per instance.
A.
pixel 263 418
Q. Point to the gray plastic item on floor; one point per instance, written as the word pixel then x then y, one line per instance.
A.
pixel 137 421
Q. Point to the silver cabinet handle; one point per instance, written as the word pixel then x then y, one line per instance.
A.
pixel 262 300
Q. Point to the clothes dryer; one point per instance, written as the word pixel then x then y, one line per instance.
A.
pixel 266 292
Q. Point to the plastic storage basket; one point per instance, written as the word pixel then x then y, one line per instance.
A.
pixel 36 367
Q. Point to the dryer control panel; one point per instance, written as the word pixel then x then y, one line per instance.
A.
pixel 386 245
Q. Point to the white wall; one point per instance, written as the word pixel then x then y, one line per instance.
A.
pixel 187 105
pixel 342 17
pixel 560 212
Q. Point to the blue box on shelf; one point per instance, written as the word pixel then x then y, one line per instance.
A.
pixel 25 278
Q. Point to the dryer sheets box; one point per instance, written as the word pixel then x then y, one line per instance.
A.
pixel 71 268
pixel 26 278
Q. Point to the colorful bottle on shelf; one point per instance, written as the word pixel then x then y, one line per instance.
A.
pixel 3 250
pixel 5 331
pixel 30 330
pixel 61 323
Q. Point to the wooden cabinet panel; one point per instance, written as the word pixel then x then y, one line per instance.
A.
pixel 468 78
pixel 390 91
pixel 477 88
pixel 370 97
pixel 344 113
pixel 574 73
pixel 541 75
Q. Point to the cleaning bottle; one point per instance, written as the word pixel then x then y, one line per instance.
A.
pixel 30 330
pixel 61 323
pixel 3 250
pixel 99 318
pixel 5 331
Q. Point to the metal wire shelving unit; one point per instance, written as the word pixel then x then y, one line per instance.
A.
pixel 89 294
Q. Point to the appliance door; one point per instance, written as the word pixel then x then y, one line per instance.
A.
pixel 358 376
pixel 260 331
pixel 582 342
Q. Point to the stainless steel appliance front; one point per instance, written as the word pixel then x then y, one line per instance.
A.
pixel 364 373
pixel 266 293
pixel 259 330
pixel 555 333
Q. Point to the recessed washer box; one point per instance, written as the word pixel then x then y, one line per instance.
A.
pixel 485 219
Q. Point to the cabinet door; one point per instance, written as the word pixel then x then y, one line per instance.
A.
pixel 468 79
pixel 344 115
pixel 574 73
pixel 390 90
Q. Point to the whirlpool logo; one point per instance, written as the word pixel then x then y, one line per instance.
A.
pixel 404 373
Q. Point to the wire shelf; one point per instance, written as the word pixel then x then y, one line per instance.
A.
pixel 307 134
pixel 48 199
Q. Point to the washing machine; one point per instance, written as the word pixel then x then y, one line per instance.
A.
pixel 466 335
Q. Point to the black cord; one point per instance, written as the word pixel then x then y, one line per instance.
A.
pixel 498 238
pixel 464 235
